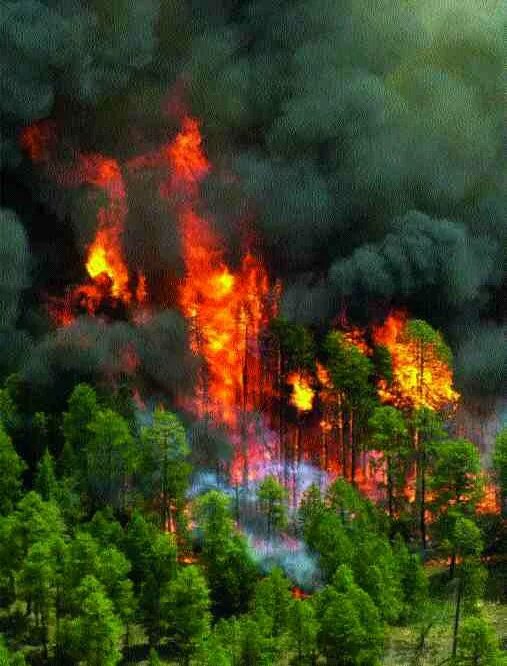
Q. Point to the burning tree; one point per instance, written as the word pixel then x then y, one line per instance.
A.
pixel 422 384
pixel 350 372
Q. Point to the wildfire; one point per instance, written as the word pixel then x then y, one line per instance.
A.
pixel 422 376
pixel 490 502
pixel 355 336
pixel 105 263
pixel 302 393
pixel 225 308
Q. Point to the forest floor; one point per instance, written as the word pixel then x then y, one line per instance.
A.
pixel 403 640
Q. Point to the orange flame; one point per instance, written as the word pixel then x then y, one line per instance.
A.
pixel 225 308
pixel 417 382
pixel 105 253
pixel 105 262
pixel 302 393
pixel 490 502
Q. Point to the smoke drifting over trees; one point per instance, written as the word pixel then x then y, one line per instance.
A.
pixel 365 144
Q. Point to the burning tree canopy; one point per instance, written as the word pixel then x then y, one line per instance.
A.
pixel 422 365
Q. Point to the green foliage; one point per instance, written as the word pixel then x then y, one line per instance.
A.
pixel 33 520
pixel 153 557
pixel 429 425
pixel 420 331
pixel 413 580
pixel 350 630
pixel 376 571
pixel 7 658
pixel 93 634
pixel 83 407
pixel 229 566
pixel 153 658
pixel 500 466
pixel 164 470
pixel 39 579
pixel 389 435
pixel 273 603
pixel 355 510
pixel 478 644
pixel 349 368
pixel 326 535
pixel 111 455
pixel 383 363
pixel 273 503
pixel 455 479
pixel 78 577
pixel 45 481
pixel 9 416
pixel 303 628
pixel 185 612
pixel 86 557
pixel 296 345
pixel 211 652
pixel 105 529
pixel 11 469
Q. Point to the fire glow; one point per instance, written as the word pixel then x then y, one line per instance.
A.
pixel 225 309
pixel 302 393
pixel 105 263
pixel 421 379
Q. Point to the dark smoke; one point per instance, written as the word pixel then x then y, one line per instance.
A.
pixel 367 140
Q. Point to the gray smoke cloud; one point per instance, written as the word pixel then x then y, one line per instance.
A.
pixel 14 266
pixel 94 349
pixel 418 253
pixel 14 279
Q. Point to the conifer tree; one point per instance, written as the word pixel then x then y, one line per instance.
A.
pixel 164 467
pixel 11 469
pixel 273 602
pixel 111 456
pixel 82 408
pixel 351 372
pixel 389 435
pixel 303 627
pixel 272 499
pixel 185 611
pixel 93 634
pixel 350 628
pixel 45 481
pixel 230 569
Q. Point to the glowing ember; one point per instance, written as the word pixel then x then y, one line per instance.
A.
pixel 302 393
pixel 422 374
pixel 323 376
pixel 38 140
pixel 356 337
